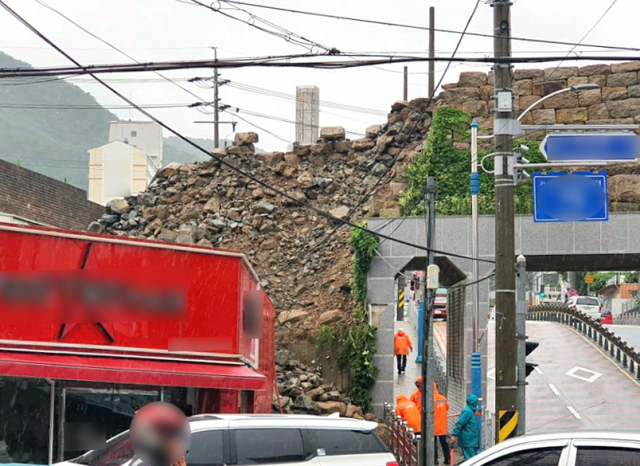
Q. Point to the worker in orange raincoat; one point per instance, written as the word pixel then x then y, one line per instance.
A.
pixel 402 346
pixel 409 413
pixel 440 427
pixel 416 396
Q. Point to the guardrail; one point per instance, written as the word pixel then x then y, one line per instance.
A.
pixel 619 350
pixel 405 444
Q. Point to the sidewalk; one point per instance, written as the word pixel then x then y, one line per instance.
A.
pixel 405 384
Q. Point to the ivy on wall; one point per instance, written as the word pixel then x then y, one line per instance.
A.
pixel 355 346
pixel 447 157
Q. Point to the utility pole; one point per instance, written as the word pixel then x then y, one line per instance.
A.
pixel 504 129
pixel 432 51
pixel 427 427
pixel 405 95
pixel 521 329
pixel 216 117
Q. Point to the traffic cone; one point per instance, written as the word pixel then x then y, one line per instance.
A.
pixel 453 455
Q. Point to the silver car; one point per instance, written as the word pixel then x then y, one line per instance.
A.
pixel 580 448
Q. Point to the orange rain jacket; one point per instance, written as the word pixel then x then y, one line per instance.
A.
pixel 402 344
pixel 440 412
pixel 409 413
pixel 416 396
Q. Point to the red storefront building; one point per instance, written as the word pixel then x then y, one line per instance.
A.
pixel 97 326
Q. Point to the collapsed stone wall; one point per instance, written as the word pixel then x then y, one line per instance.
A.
pixel 616 101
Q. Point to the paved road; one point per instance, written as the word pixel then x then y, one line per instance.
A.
pixel 629 333
pixel 576 386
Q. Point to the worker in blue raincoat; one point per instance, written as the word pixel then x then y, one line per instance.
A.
pixel 466 431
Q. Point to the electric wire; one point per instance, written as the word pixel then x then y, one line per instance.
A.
pixel 261 129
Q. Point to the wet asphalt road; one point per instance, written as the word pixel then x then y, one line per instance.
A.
pixel 629 333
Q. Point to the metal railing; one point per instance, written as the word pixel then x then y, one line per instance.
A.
pixel 405 444
pixel 619 350
pixel 630 314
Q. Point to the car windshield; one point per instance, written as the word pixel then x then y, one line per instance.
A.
pixel 588 301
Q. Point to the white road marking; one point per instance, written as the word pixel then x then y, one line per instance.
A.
pixel 538 370
pixel 573 373
pixel 574 412
pixel 554 389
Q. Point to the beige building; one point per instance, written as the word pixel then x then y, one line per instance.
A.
pixel 117 170
pixel 145 135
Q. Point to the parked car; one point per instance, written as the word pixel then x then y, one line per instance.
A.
pixel 607 317
pixel 587 305
pixel 244 439
pixel 582 448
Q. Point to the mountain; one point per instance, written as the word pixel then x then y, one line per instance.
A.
pixel 55 141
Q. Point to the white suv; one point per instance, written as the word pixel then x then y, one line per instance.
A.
pixel 587 305
pixel 247 439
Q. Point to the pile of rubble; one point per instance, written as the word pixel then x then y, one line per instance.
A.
pixel 209 204
pixel 303 391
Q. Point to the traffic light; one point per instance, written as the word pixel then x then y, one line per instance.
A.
pixel 529 347
pixel 519 174
pixel 542 292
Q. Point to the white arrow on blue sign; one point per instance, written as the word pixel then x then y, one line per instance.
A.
pixel 591 147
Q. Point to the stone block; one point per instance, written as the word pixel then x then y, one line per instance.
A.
pixel 244 149
pixel 613 121
pixel 634 91
pixel 321 148
pixel 544 117
pixel 373 131
pixel 613 93
pixel 332 133
pixel 461 94
pixel 399 105
pixel 562 72
pixel 546 88
pixel 625 67
pixel 245 138
pixel 598 112
pixel 472 79
pixel 564 100
pixel 528 74
pixel 363 144
pixel 291 316
pixel 475 107
pixel 272 158
pixel 486 92
pixel 528 100
pixel 591 97
pixel 624 108
pixel 572 115
pixel 591 70
pixel 598 79
pixel 523 87
pixel 622 79
pixel 576 80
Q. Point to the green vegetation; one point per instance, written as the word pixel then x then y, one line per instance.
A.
pixel 355 346
pixel 600 280
pixel 447 157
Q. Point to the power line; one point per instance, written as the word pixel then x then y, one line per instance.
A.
pixel 261 128
pixel 422 28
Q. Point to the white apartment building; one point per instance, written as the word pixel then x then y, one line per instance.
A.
pixel 127 163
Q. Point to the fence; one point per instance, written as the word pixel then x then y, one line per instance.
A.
pixel 619 350
pixel 630 314
pixel 405 444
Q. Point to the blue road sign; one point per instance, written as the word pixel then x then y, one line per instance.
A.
pixel 591 147
pixel 579 197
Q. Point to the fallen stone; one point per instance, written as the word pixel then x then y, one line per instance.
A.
pixel 363 144
pixel 330 407
pixel 271 158
pixel 306 180
pixel 353 409
pixel 291 316
pixel 329 317
pixel 118 206
pixel 168 171
pixel 245 149
pixel 96 227
pixel 332 133
pixel 168 236
pixel 245 138
pixel 373 131
pixel 379 169
pixel 340 212
pixel 307 404
pixel 399 105
pixel 265 208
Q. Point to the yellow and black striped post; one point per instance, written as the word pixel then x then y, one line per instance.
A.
pixel 400 309
pixel 507 425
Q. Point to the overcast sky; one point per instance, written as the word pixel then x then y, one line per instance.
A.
pixel 154 30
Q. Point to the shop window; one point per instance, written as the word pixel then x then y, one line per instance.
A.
pixel 246 402
pixel 265 446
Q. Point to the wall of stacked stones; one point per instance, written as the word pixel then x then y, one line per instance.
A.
pixel 616 101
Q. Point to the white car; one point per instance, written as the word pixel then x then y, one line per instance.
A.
pixel 581 448
pixel 587 305
pixel 265 439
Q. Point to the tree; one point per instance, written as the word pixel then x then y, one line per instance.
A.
pixel 17 162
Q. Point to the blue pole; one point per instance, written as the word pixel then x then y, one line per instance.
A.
pixel 476 387
pixel 420 331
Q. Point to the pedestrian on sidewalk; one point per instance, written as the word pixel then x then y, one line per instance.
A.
pixel 402 346
pixel 416 396
pixel 466 429
pixel 440 427
pixel 409 413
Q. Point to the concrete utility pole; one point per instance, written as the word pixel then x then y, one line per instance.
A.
pixel 427 427
pixel 506 345
pixel 432 50
pixel 216 121
pixel 521 329
pixel 405 94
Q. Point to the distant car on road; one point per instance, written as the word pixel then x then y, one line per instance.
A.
pixel 440 304
pixel 587 305
pixel 607 317
pixel 582 448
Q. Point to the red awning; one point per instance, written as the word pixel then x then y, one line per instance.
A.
pixel 130 371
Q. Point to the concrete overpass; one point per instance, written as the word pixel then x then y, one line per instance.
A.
pixel 614 245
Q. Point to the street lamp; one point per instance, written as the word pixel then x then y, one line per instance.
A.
pixel 576 88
